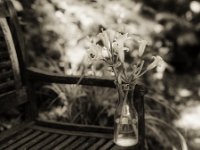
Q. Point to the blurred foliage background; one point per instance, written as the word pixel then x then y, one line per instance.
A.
pixel 56 34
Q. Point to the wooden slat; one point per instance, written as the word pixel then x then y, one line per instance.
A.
pixel 54 143
pixel 87 143
pixel 4 65
pixel 7 94
pixel 44 142
pixel 5 136
pixel 4 55
pixel 139 105
pixel 96 145
pixel 64 143
pixel 107 145
pixel 34 141
pixel 76 143
pixel 8 101
pixel 16 138
pixel 18 38
pixel 74 127
pixel 11 44
pixel 4 11
pixel 5 86
pixel 72 132
pixel 23 140
pixel 6 75
pixel 38 75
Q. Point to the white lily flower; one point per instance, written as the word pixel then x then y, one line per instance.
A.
pixel 105 39
pixel 118 46
pixel 108 36
pixel 158 61
pixel 121 39
pixel 105 53
pixel 112 35
pixel 94 52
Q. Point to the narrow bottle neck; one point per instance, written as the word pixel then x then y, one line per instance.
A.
pixel 126 94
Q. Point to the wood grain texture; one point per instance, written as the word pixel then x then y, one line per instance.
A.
pixel 9 134
pixel 10 60
pixel 5 65
pixel 47 134
pixel 4 12
pixel 34 137
pixel 42 76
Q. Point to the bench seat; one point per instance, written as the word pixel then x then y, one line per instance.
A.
pixel 50 135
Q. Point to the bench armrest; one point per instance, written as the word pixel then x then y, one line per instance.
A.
pixel 37 75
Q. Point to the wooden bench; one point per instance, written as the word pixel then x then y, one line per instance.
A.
pixel 17 87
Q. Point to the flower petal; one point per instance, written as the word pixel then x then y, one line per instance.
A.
pixel 112 35
pixel 94 52
pixel 121 55
pixel 105 39
pixel 105 53
pixel 121 39
pixel 157 62
pixel 142 47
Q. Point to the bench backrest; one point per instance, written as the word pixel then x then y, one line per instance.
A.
pixel 12 91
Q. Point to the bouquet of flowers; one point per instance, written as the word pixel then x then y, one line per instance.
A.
pixel 110 47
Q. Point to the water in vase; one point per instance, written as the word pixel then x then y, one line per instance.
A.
pixel 126 133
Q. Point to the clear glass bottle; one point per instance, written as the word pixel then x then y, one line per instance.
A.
pixel 126 118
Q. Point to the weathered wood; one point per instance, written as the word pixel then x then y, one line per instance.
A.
pixel 44 142
pixel 12 52
pixel 72 132
pixel 35 137
pixel 33 142
pixel 86 144
pixel 17 37
pixel 31 107
pixel 4 95
pixel 5 65
pixel 8 101
pixel 69 140
pixel 4 12
pixel 51 145
pixel 17 130
pixel 76 143
pixel 41 76
pixel 107 145
pixel 74 127
pixel 16 138
pixel 139 105
pixel 7 86
pixel 10 77
pixel 6 75
pixel 46 134
pixel 97 144
pixel 23 140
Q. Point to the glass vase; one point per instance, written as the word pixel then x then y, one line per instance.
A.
pixel 126 118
